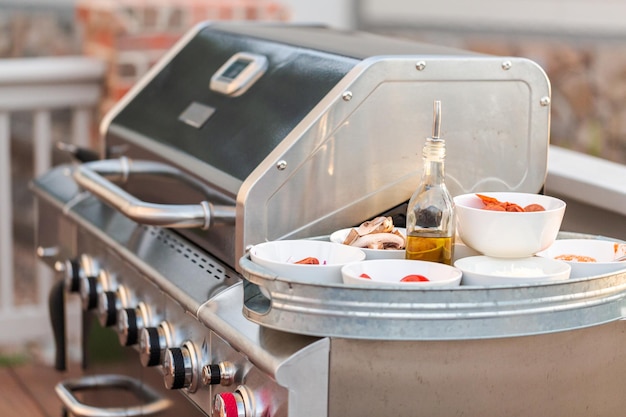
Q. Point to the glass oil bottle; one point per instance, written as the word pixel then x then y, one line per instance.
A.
pixel 430 221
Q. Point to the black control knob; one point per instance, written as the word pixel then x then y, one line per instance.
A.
pixel 130 321
pixel 111 302
pixel 153 341
pixel 222 373
pixel 108 305
pixel 179 368
pixel 89 290
pixel 71 274
pixel 128 326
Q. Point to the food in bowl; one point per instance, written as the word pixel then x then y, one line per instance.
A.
pixel 310 261
pixel 378 238
pixel 408 278
pixel 508 234
pixel 378 233
pixel 494 204
pixel 402 273
pixel 588 257
pixel 485 270
pixel 575 258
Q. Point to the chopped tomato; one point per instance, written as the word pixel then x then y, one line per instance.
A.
pixel 309 261
pixel 534 207
pixel 365 276
pixel 488 200
pixel 414 278
pixel 513 207
pixel 494 204
pixel 494 207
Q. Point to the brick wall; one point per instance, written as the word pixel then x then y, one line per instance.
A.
pixel 131 35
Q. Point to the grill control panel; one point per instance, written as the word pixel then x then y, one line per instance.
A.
pixel 178 307
pixel 191 357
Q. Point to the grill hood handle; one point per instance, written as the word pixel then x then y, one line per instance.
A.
pixel 97 177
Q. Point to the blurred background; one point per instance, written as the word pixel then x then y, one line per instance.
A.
pixel 581 45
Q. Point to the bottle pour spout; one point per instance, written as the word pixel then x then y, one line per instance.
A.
pixel 436 119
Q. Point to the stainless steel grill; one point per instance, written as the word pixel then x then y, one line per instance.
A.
pixel 246 133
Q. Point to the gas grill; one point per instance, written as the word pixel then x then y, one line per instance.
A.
pixel 245 133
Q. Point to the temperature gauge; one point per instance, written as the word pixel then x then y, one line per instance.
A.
pixel 238 74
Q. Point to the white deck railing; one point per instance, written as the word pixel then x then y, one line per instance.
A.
pixel 39 86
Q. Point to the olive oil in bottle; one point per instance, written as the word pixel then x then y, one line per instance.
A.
pixel 430 222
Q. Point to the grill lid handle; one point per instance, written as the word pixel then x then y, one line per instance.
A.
pixel 97 176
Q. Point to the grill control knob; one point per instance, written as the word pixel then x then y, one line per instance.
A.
pixel 179 367
pixel 152 344
pixel 108 304
pixel 130 321
pixel 71 274
pixel 222 373
pixel 89 284
pixel 89 290
pixel 228 404
pixel 239 403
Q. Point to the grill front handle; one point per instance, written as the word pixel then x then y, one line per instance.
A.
pixel 97 177
pixel 149 401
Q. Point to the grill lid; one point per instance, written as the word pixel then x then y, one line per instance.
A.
pixel 308 129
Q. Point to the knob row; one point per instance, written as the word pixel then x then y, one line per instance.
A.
pixel 180 365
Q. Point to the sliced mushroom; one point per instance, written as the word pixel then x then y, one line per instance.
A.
pixel 352 236
pixel 380 241
pixel 379 224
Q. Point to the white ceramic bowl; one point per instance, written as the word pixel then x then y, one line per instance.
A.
pixel 340 235
pixel 485 270
pixel 602 251
pixel 508 234
pixel 389 272
pixel 279 256
pixel 462 251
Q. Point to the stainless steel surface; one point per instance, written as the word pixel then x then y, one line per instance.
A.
pixel 149 402
pixel 188 292
pixel 263 148
pixel 92 177
pixel 306 149
pixel 292 375
pixel 460 313
pixel 575 373
pixel 341 142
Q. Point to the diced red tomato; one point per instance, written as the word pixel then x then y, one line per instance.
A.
pixel 365 276
pixel 309 261
pixel 414 278
pixel 534 207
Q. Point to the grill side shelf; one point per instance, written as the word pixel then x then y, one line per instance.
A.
pixel 460 313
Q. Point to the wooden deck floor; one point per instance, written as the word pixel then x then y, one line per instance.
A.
pixel 28 390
